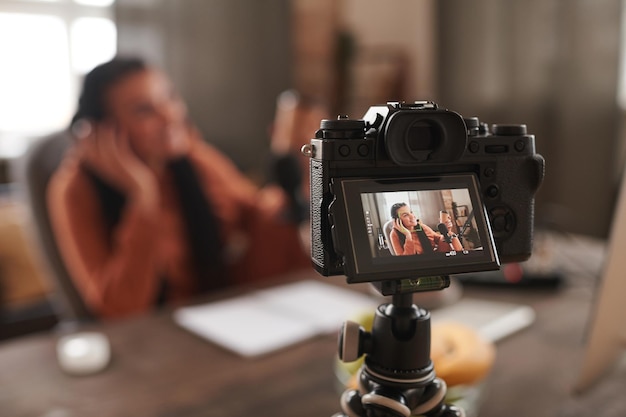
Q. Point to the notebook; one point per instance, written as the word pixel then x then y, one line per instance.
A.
pixel 268 320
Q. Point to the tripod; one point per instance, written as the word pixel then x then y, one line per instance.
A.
pixel 397 377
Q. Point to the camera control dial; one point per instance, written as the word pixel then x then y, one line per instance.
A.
pixel 341 128
pixel 509 130
pixel 503 222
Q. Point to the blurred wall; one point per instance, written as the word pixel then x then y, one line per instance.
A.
pixel 404 24
pixel 553 65
pixel 228 58
pixel 393 52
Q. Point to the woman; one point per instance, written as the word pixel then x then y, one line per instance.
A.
pixel 409 236
pixel 145 212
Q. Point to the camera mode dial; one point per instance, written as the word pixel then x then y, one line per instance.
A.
pixel 341 128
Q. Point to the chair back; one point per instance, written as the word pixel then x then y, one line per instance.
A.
pixel 32 173
pixel 387 228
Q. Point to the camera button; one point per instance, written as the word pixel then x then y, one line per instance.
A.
pixel 496 149
pixel 363 150
pixel 473 147
pixel 503 221
pixel 344 150
pixel 520 145
pixel 492 191
pixel 500 225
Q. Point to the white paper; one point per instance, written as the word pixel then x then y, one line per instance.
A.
pixel 323 306
pixel 272 319
pixel 493 320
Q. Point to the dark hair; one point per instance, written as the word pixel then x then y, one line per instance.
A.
pixel 201 225
pixel 95 84
pixel 395 208
pixel 420 233
pixel 394 215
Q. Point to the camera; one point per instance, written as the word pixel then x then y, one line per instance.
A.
pixel 465 192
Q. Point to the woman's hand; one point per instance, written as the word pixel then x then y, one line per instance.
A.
pixel 400 228
pixel 179 139
pixel 106 150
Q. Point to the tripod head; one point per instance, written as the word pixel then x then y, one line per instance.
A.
pixel 399 344
pixel 397 377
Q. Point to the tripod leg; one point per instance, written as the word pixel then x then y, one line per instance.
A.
pixel 351 404
pixel 448 411
pixel 371 404
pixel 431 402
pixel 395 403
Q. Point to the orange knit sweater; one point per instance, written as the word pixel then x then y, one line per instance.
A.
pixel 121 278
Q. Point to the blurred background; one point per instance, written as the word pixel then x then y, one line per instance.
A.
pixel 555 65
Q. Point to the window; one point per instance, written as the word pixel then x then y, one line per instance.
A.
pixel 45 48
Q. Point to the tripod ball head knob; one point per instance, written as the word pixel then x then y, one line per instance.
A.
pixel 351 341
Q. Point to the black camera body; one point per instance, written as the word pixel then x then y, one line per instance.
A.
pixel 401 147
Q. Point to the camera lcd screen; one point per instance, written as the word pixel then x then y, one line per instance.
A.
pixel 414 227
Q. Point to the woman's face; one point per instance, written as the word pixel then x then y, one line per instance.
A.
pixel 145 106
pixel 446 219
pixel 409 220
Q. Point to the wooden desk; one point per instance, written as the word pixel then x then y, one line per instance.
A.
pixel 159 369
pixel 162 370
pixel 536 369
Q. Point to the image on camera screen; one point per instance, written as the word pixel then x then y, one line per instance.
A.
pixel 427 226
